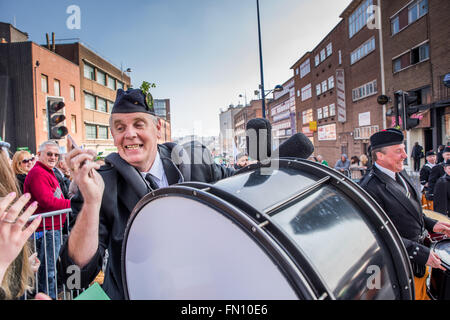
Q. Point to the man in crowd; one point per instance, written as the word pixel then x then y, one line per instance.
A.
pixel 388 183
pixel 108 196
pixel 437 172
pixel 321 160
pixel 343 164
pixel 242 161
pixel 44 188
pixel 440 150
pixel 426 169
pixel 417 154
pixel 62 173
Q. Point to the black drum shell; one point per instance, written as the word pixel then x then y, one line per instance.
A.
pixel 439 286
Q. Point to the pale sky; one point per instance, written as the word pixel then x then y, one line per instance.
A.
pixel 200 53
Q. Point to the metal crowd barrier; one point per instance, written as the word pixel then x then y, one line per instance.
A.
pixel 45 252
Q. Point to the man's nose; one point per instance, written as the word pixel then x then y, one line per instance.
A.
pixel 130 132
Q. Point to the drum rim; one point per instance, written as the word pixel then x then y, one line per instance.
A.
pixel 433 247
pixel 363 200
pixel 299 282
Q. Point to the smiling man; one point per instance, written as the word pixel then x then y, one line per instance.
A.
pixel 388 183
pixel 108 194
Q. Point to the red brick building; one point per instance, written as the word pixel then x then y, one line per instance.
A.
pixel 416 58
pixel 241 117
pixel 99 81
pixel 29 75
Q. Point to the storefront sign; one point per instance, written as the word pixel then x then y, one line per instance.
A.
pixel 364 119
pixel 327 132
pixel 313 126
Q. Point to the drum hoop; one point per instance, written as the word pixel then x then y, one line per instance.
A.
pixel 381 221
pixel 433 247
pixel 274 252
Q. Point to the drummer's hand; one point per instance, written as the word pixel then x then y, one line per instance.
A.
pixel 442 227
pixel 434 261
pixel 83 170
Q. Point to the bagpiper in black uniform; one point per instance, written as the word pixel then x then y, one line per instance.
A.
pixel 401 201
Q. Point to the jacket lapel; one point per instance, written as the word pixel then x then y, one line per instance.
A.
pixel 172 173
pixel 398 193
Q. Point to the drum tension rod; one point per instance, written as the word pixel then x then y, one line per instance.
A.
pixel 265 223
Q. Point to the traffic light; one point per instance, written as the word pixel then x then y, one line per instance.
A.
pixel 410 103
pixel 56 117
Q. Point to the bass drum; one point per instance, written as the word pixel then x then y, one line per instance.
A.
pixel 439 285
pixel 290 229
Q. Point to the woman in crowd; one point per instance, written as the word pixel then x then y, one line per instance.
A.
pixel 355 170
pixel 16 267
pixel 441 198
pixel 22 163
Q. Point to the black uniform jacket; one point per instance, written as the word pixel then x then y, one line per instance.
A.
pixel 442 195
pixel 437 172
pixel 124 187
pixel 406 214
pixel 425 173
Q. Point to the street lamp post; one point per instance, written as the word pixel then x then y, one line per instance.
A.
pixel 261 63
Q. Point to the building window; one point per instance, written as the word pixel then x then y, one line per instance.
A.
pixel 72 93
pixel 329 49
pixel 44 83
pixel 102 132
pixel 306 92
pixel 325 112
pixel 91 131
pixel 119 85
pixel 365 90
pixel 57 88
pixel 358 19
pixel 307 116
pixel 395 25
pixel 319 113
pixel 298 93
pixel 332 110
pixel 331 82
pixel 101 77
pixel 420 54
pixel 110 105
pixel 316 60
pixel 323 55
pixel 362 51
pixel 89 72
pixel 73 123
pixel 305 68
pixel 111 83
pixel 324 86
pixel 101 105
pixel 417 10
pixel 89 101
pixel 340 57
pixel 296 71
pixel 318 92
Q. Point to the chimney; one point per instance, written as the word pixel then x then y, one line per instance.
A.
pixel 48 41
pixel 53 42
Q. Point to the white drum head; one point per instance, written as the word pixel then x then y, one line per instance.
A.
pixel 179 248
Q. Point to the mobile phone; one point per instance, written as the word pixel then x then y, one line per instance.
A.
pixel 73 144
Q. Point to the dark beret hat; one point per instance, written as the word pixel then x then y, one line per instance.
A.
pixel 385 138
pixel 447 163
pixel 130 101
pixel 430 153
pixel 446 149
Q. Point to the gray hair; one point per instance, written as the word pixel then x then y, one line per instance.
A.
pixel 47 143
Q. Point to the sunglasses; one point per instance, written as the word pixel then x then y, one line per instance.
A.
pixel 50 154
pixel 28 160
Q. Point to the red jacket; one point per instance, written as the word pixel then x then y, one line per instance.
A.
pixel 44 188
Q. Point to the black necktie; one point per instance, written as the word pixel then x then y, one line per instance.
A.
pixel 403 184
pixel 150 179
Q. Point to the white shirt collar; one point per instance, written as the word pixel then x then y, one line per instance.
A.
pixel 386 171
pixel 157 169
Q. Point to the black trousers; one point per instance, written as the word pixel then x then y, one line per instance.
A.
pixel 416 164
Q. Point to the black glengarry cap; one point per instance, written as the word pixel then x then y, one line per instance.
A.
pixel 385 138
pixel 130 101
